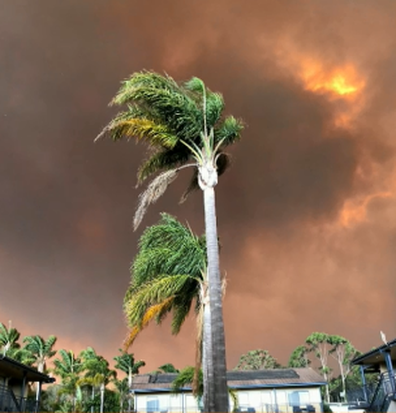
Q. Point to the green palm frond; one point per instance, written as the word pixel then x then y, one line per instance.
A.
pixel 168 248
pixel 154 133
pixel 164 100
pixel 151 293
pixel 163 160
pixel 229 130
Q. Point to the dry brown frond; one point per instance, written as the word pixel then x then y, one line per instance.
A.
pixel 102 134
pixel 154 191
pixel 150 314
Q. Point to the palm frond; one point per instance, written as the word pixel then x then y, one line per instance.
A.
pixel 214 108
pixel 229 130
pixel 151 313
pixel 154 133
pixel 145 78
pixel 162 98
pixel 152 293
pixel 192 186
pixel 163 160
pixel 170 248
pixel 154 191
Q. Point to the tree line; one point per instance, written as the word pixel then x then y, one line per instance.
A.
pixel 330 355
pixel 87 383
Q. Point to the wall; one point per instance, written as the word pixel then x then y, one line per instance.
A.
pixel 261 400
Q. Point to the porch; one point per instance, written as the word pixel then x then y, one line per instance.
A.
pixel 14 380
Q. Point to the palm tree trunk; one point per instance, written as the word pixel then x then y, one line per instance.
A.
pixel 207 355
pixel 102 392
pixel 130 381
pixel 216 393
pixel 92 399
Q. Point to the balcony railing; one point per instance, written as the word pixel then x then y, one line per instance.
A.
pixel 10 403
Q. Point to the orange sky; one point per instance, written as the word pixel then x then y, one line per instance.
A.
pixel 306 214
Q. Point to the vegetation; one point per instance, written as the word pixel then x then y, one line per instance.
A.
pixel 257 360
pixel 86 383
pixel 184 126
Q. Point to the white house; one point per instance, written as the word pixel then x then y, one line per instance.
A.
pixel 270 391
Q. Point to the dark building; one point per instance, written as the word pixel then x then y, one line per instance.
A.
pixel 14 380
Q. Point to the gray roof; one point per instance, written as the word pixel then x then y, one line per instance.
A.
pixel 301 377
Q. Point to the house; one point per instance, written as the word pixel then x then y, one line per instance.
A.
pixel 270 391
pixel 14 380
pixel 381 397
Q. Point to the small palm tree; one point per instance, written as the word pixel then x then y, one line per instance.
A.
pixel 167 368
pixel 187 376
pixel 184 127
pixel 97 373
pixel 167 276
pixel 126 363
pixel 9 338
pixel 69 367
pixel 39 351
pixel 123 390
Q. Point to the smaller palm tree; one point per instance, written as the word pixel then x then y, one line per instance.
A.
pixel 69 367
pixel 97 373
pixel 40 349
pixel 188 375
pixel 167 368
pixel 126 363
pixel 167 276
pixel 9 338
pixel 123 389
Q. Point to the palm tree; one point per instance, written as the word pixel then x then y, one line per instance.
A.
pixel 69 367
pixel 123 390
pixel 40 351
pixel 184 126
pixel 168 276
pixel 97 373
pixel 126 363
pixel 167 368
pixel 9 338
pixel 187 376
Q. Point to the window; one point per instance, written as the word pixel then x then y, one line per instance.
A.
pixel 299 398
pixel 152 404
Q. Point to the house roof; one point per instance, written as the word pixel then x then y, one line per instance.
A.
pixel 248 379
pixel 13 369
pixel 375 356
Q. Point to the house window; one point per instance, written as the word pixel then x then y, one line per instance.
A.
pixel 299 400
pixel 152 404
pixel 243 399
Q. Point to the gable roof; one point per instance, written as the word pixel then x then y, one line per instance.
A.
pixel 248 379
pixel 13 369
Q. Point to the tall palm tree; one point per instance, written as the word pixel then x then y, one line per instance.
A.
pixel 184 126
pixel 126 363
pixel 9 337
pixel 40 351
pixel 69 367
